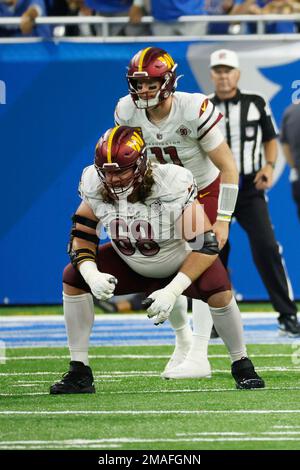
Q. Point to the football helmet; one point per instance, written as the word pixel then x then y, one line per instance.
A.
pixel 152 63
pixel 119 149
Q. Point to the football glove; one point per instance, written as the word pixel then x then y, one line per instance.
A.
pixel 162 305
pixel 102 284
pixel 163 300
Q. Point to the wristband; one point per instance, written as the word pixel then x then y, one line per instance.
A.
pixel 179 284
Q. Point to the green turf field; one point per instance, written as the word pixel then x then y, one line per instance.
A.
pixel 135 409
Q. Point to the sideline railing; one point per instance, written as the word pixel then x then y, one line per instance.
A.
pixel 260 20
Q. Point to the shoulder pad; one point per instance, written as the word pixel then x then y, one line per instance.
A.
pixel 171 180
pixel 90 183
pixel 124 110
pixel 191 103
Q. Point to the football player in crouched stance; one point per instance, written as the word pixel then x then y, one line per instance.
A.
pixel 162 244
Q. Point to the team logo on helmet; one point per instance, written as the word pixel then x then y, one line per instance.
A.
pixel 136 142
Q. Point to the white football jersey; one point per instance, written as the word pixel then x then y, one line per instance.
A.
pixel 184 138
pixel 144 234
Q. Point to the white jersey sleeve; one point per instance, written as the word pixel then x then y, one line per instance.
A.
pixel 124 111
pixel 89 188
pixel 204 116
pixel 174 185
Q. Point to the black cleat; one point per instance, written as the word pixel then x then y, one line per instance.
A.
pixel 289 325
pixel 245 376
pixel 79 379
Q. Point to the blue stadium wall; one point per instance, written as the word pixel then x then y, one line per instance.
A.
pixel 56 100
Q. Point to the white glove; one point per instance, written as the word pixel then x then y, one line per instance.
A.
pixel 162 306
pixel 102 284
pixel 164 299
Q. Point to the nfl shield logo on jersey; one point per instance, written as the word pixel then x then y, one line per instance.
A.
pixel 183 131
pixel 159 136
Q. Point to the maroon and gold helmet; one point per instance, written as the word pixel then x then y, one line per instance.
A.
pixel 119 149
pixel 152 63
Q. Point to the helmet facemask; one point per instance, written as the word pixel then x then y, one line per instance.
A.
pixel 166 89
pixel 125 186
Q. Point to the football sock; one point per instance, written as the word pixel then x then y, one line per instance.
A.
pixel 79 319
pixel 202 325
pixel 228 323
pixel 180 322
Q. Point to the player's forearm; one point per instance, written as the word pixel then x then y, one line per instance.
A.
pixel 223 159
pixel 196 263
pixel 228 171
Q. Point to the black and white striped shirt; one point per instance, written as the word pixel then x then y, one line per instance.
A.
pixel 247 124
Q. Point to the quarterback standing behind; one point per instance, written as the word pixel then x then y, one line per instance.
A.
pixel 182 128
pixel 162 244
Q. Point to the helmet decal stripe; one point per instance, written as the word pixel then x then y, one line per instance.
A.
pixel 136 142
pixel 167 59
pixel 141 59
pixel 109 143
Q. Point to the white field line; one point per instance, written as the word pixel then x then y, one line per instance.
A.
pixel 61 447
pixel 197 390
pixel 286 427
pixel 143 412
pixel 29 385
pixel 152 345
pixel 135 373
pixel 134 356
pixel 22 395
pixel 125 440
pixel 109 374
pixel 150 392
pixel 258 433
pixel 128 439
pixel 123 317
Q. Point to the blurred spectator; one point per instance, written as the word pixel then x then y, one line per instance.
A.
pixel 166 14
pixel 28 10
pixel 217 7
pixel 290 138
pixel 62 8
pixel 261 7
pixel 109 8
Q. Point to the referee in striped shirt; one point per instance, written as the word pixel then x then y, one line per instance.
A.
pixel 252 136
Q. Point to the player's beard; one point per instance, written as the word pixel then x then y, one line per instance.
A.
pixel 139 193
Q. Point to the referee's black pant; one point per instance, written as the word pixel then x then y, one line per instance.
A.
pixel 296 195
pixel 253 215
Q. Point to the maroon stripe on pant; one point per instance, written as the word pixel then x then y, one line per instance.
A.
pixel 208 197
